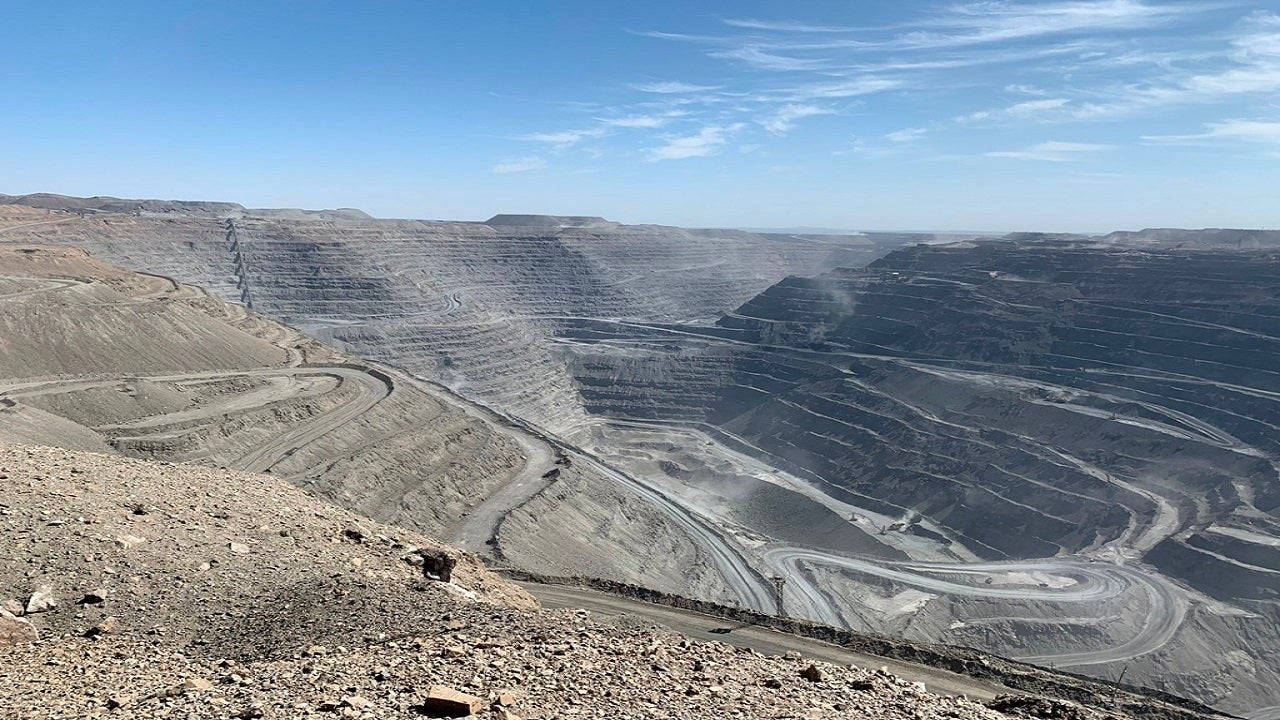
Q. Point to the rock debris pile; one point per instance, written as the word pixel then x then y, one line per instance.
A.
pixel 324 616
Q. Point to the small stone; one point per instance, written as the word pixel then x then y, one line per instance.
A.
pixel 238 548
pixel 442 701
pixel 506 699
pixel 42 600
pixel 355 701
pixel 106 627
pixel 128 542
pixel 195 684
pixel 772 683
pixel 811 673
pixel 116 702
pixel 13 607
pixel 95 596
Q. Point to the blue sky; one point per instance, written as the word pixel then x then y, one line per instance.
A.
pixel 966 114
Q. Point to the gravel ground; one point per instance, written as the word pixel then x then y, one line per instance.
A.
pixel 189 592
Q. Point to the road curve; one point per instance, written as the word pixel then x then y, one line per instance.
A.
pixel 43 285
pixel 753 590
pixel 1094 582
pixel 371 390
pixel 481 523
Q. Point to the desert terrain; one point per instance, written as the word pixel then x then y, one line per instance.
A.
pixel 1055 449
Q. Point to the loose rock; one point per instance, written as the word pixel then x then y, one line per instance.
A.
pixel 42 600
pixel 442 701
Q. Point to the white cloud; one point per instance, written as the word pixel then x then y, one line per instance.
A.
pixel 1255 58
pixel 986 21
pixel 906 135
pixel 706 141
pixel 784 120
pixel 1052 151
pixel 786 26
pixel 673 87
pixel 521 164
pixel 843 88
pixel 763 60
pixel 635 121
pixel 1261 131
pixel 1025 90
pixel 1018 111
pixel 566 138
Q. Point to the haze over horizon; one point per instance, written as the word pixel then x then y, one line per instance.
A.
pixel 1078 115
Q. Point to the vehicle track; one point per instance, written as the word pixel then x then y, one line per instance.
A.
pixel 370 391
pixel 1094 582
pixel 45 285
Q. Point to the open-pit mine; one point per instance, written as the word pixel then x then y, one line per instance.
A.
pixel 1057 449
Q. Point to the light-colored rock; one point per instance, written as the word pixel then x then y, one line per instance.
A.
pixel 41 600
pixel 193 684
pixel 442 701
pixel 128 542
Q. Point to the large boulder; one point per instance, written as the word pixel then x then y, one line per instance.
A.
pixel 15 630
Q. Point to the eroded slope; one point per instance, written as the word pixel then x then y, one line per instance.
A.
pixel 992 410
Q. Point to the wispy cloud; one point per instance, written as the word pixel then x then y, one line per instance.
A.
pixel 566 138
pixel 635 121
pixel 787 26
pixel 706 141
pixel 987 21
pixel 842 88
pixel 1258 131
pixel 673 87
pixel 1022 89
pixel 765 60
pixel 906 135
pixel 1253 67
pixel 784 120
pixel 1017 111
pixel 1043 61
pixel 1052 151
pixel 521 164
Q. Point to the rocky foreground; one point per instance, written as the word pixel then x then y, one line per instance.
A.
pixel 139 589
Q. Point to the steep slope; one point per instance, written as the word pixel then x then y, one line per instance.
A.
pixel 172 590
pixel 992 410
pixel 1051 447
pixel 104 359
pixel 462 303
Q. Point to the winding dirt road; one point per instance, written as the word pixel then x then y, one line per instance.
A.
pixel 1091 583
